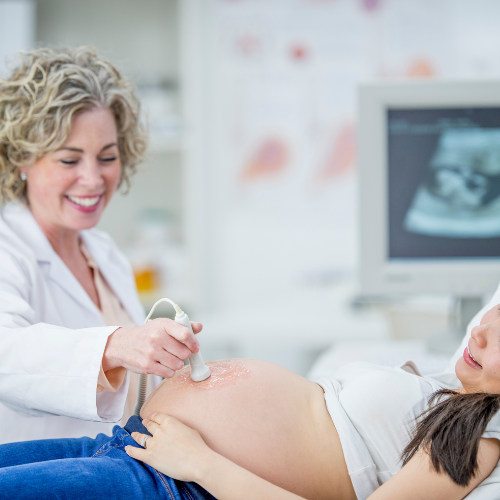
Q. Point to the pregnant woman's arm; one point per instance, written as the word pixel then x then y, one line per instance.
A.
pixel 180 452
pixel 418 480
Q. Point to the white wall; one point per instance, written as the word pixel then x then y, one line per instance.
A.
pixel 141 39
pixel 139 36
pixel 157 185
pixel 286 72
pixel 17 28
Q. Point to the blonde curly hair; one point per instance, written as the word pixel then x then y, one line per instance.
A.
pixel 40 98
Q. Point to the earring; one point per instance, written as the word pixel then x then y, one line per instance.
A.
pixel 23 176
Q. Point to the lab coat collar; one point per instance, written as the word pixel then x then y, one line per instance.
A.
pixel 101 251
pixel 21 221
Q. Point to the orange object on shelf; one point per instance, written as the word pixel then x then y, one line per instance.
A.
pixel 146 279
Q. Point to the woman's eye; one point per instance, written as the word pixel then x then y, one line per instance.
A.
pixel 109 159
pixel 69 162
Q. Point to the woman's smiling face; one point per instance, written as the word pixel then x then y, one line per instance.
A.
pixel 479 367
pixel 68 189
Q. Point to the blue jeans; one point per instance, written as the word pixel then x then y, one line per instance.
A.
pixel 87 469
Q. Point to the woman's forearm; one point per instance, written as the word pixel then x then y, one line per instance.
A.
pixel 418 480
pixel 227 481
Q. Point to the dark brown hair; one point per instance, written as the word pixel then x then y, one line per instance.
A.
pixel 450 432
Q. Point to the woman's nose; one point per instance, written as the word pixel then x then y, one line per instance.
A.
pixel 480 335
pixel 90 175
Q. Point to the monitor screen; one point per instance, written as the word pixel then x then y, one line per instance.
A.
pixel 443 182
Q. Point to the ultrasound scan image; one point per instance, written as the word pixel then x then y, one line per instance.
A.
pixel 459 196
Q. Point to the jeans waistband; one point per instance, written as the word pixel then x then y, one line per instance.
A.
pixel 134 424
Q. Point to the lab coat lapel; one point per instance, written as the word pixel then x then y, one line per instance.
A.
pixel 60 273
pixel 121 283
pixel 24 224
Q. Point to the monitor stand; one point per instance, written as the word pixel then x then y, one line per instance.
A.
pixel 447 342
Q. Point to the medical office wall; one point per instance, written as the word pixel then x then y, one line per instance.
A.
pixel 17 28
pixel 273 212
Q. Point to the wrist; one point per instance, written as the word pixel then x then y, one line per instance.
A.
pixel 209 463
pixel 110 359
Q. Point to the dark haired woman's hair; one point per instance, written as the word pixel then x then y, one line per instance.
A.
pixel 450 432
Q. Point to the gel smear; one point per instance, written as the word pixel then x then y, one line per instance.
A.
pixel 224 373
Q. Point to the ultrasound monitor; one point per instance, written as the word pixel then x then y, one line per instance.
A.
pixel 429 187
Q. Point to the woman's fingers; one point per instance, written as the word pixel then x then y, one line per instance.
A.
pixel 137 453
pixel 182 334
pixel 138 438
pixel 166 358
pixel 197 327
pixel 160 370
pixel 157 417
pixel 173 346
pixel 150 425
pixel 175 449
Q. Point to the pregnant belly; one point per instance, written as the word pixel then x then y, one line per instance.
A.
pixel 265 418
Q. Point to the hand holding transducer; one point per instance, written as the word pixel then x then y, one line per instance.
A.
pixel 159 347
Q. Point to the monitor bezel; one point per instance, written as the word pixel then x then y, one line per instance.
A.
pixel 378 274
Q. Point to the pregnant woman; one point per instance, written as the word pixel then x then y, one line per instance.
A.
pixel 254 430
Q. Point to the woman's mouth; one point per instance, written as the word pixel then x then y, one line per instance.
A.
pixel 85 203
pixel 470 360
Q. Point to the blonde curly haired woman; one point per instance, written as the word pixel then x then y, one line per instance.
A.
pixel 70 135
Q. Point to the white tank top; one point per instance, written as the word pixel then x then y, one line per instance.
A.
pixel 374 410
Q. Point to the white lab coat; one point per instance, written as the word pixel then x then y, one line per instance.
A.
pixel 52 336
